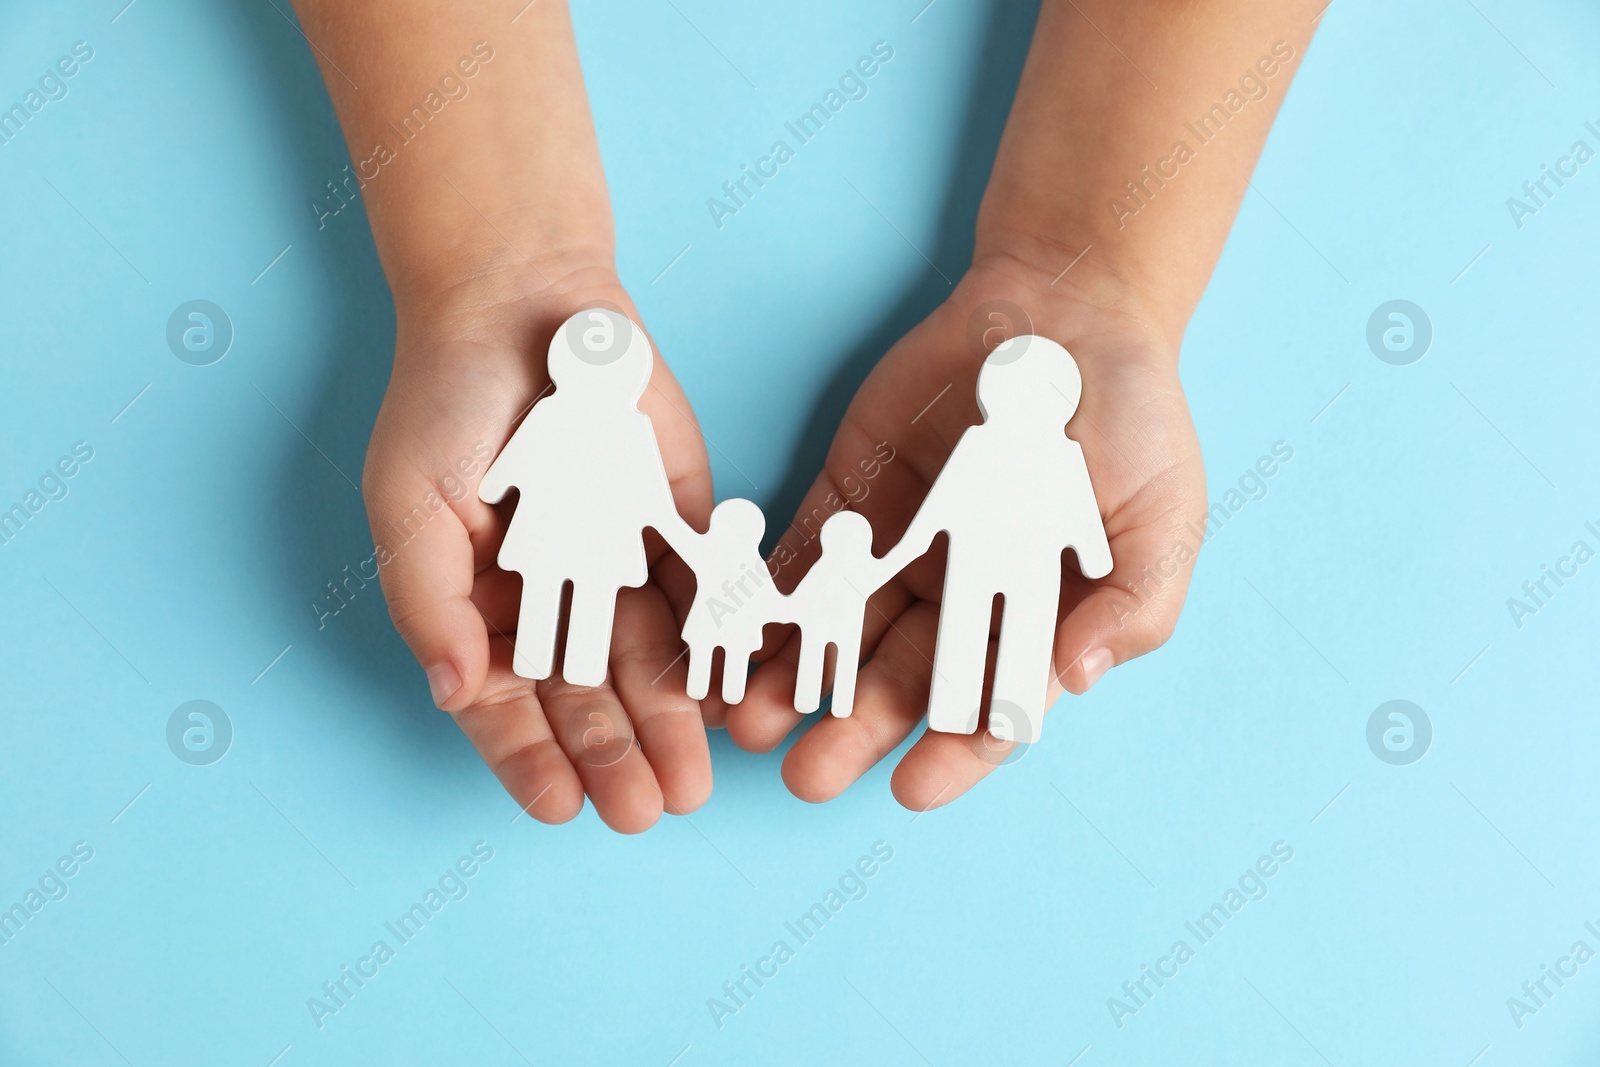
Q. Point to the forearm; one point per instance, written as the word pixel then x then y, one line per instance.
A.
pixel 473 163
pixel 1120 148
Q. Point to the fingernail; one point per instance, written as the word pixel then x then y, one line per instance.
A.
pixel 1096 662
pixel 444 680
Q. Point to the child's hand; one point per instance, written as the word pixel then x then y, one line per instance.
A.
pixel 468 363
pixel 1100 232
pixel 1140 446
pixel 493 226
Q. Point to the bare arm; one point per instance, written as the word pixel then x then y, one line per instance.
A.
pixel 478 164
pixel 1101 232
pixel 1090 161
pixel 504 177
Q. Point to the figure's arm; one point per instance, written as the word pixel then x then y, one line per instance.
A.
pixel 927 524
pixel 1075 512
pixel 1087 539
pixel 532 443
pixel 660 511
pixel 500 478
pixel 939 508
pixel 679 536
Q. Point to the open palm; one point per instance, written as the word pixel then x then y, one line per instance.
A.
pixel 464 376
pixel 1139 443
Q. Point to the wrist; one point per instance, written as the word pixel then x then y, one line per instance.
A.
pixel 500 302
pixel 493 264
pixel 1074 295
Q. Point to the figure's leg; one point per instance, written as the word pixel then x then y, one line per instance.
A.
pixel 845 663
pixel 589 635
pixel 958 658
pixel 735 671
pixel 537 618
pixel 1022 668
pixel 700 657
pixel 808 674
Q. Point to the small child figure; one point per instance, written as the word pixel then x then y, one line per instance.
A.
pixel 734 598
pixel 830 606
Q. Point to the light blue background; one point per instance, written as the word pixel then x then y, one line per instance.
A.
pixel 189 551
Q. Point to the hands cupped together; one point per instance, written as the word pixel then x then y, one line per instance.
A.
pixel 469 364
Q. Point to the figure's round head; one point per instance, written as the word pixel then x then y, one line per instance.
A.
pixel 848 532
pixel 1031 379
pixel 739 520
pixel 600 350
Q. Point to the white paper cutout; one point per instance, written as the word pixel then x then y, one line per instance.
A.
pixel 830 607
pixel 591 477
pixel 734 597
pixel 1013 495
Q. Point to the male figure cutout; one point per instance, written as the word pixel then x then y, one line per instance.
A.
pixel 1013 495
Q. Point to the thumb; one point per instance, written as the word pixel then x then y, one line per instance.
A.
pixel 426 566
pixel 1134 609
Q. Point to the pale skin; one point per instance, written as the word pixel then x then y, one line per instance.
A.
pixel 494 225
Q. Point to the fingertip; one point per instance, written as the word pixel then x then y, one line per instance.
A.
pixel 451 643
pixel 815 769
pixel 919 796
pixel 746 727
pixel 764 718
pixel 444 683
pixel 675 746
pixel 1110 627
pixel 806 783
pixel 686 798
pixel 633 813
pixel 713 712
pixel 554 809
pixel 1087 669
pixel 543 783
pixel 1094 665
pixel 935 772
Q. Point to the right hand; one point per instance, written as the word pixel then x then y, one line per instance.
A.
pixel 468 363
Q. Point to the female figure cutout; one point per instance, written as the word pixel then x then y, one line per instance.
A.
pixel 591 478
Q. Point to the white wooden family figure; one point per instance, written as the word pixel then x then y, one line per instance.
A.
pixel 1013 495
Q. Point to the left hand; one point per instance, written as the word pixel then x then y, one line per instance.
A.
pixel 1143 458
